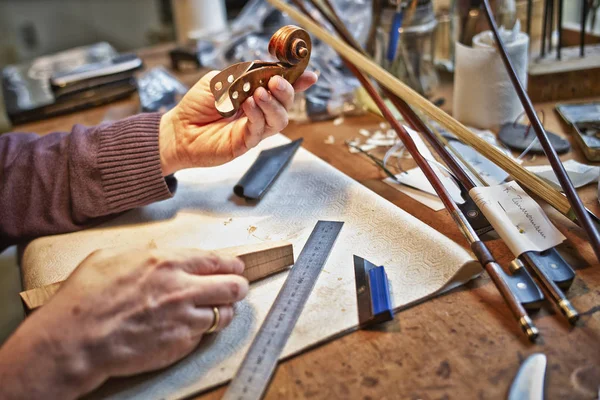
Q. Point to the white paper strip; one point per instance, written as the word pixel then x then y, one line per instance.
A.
pixel 517 218
pixel 580 174
pixel 430 200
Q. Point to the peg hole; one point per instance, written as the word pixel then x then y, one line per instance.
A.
pixel 235 95
pixel 246 87
pixel 230 78
pixel 218 86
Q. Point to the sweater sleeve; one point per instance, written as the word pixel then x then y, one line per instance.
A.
pixel 65 181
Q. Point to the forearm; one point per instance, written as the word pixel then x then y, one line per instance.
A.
pixel 64 182
pixel 34 364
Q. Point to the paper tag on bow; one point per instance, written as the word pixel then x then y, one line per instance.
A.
pixel 517 218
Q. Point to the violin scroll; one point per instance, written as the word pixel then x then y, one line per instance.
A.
pixel 291 46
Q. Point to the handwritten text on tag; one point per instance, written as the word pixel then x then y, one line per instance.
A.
pixel 517 218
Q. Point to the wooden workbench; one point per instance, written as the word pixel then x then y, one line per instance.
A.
pixel 463 345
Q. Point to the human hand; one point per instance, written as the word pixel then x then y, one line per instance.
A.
pixel 126 312
pixel 193 134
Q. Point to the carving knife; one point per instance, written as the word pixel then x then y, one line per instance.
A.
pixel 529 382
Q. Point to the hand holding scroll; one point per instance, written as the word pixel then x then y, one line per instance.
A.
pixel 194 134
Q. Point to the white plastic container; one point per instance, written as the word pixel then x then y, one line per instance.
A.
pixel 195 19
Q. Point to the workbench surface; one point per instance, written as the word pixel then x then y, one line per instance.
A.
pixel 462 345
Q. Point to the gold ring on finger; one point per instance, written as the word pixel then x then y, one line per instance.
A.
pixel 216 319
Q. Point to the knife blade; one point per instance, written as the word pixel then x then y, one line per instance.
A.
pixel 529 381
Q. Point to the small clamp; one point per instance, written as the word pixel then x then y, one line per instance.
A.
pixel 232 86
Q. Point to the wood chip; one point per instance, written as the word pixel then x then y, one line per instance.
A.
pixel 367 147
pixel 381 142
pixel 338 121
pixel 330 140
pixel 364 132
pixel 383 126
pixel 378 135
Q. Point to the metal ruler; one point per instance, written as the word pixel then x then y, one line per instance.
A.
pixel 253 376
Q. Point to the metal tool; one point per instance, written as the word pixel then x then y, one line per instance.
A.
pixel 253 376
pixel 529 382
pixel 232 86
pixel 265 170
pixel 372 293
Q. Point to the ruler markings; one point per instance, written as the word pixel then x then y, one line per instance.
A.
pixel 256 370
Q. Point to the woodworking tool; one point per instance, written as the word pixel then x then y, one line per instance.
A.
pixel 265 170
pixel 254 374
pixel 232 86
pixel 529 382
pixel 373 295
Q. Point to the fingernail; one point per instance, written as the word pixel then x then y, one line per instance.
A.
pixel 263 95
pixel 280 83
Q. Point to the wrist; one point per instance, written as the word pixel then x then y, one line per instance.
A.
pixel 41 361
pixel 167 145
pixel 73 352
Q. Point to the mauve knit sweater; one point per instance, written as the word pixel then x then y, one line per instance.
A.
pixel 66 181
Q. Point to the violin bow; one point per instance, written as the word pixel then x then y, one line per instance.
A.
pixel 559 170
pixel 482 253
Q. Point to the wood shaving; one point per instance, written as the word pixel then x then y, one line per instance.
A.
pixel 364 132
pixel 338 121
pixel 330 140
pixel 391 134
pixel 378 135
pixel 252 229
pixel 367 147
pixel 364 147
pixel 383 126
pixel 381 142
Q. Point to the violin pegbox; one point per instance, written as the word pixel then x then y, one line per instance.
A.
pixel 291 46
